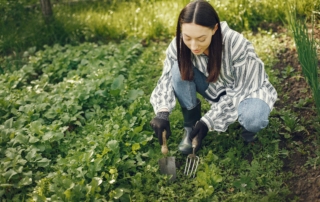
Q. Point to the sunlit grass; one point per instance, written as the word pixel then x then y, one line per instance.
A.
pixel 81 21
pixel 267 47
pixel 148 20
pixel 252 14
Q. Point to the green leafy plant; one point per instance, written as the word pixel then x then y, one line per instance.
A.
pixel 291 124
pixel 307 54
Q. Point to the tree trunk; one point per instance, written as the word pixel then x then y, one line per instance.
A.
pixel 46 9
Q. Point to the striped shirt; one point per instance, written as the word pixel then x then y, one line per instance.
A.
pixel 242 76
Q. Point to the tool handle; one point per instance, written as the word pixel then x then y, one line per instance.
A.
pixel 194 142
pixel 164 147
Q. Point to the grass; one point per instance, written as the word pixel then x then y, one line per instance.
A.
pixel 22 26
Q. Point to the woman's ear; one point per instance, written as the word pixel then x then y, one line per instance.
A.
pixel 215 29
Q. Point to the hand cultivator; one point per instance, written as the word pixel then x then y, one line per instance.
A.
pixel 192 161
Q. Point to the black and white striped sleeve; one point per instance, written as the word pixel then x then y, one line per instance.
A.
pixel 162 97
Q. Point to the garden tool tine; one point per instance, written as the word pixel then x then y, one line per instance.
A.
pixel 192 161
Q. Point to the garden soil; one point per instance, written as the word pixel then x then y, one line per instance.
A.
pixel 305 182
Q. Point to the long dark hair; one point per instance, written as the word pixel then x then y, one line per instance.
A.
pixel 201 13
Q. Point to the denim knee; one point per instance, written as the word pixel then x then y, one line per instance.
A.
pixel 253 114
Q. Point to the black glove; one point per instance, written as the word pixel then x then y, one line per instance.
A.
pixel 200 131
pixel 161 123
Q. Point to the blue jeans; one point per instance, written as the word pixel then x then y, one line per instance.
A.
pixel 253 113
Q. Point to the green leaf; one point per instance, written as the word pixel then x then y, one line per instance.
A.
pixel 300 128
pixel 211 157
pixel 9 174
pixel 36 127
pixel 113 170
pixel 31 156
pixel 44 162
pixel 135 147
pixel 118 193
pixel 137 129
pixel 20 138
pixel 133 94
pixel 65 118
pixel 8 123
pixel 47 136
pixel 100 93
pixel 11 153
pixel 33 139
pixel 129 164
pixel 98 164
pixel 113 145
pixel 22 161
pixel 25 181
pixel 67 183
pixel 78 123
pixel 125 198
pixel 217 178
pixel 50 114
pixel 28 173
pixel 140 161
pixel 96 181
pixel 118 83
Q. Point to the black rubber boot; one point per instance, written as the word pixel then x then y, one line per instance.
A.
pixel 190 119
pixel 248 136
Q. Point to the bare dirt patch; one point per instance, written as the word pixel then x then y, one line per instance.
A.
pixel 305 182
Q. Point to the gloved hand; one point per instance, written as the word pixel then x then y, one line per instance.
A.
pixel 161 123
pixel 199 132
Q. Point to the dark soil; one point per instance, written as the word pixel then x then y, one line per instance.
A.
pixel 305 182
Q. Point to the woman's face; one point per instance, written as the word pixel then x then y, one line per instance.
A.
pixel 197 38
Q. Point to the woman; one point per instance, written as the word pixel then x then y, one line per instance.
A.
pixel 209 58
